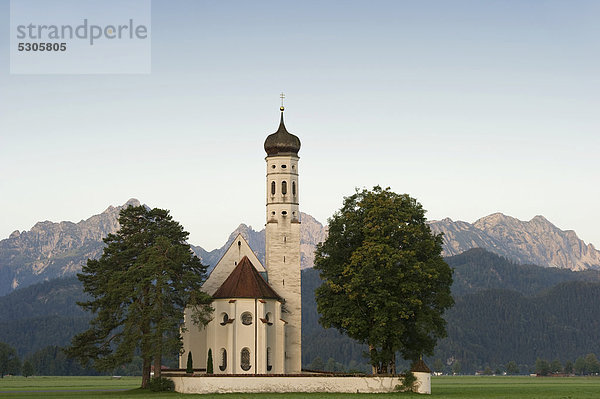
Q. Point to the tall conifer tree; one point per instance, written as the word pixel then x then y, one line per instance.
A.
pixel 139 289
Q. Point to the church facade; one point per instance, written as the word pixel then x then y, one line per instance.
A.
pixel 256 322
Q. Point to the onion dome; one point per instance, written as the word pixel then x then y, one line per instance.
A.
pixel 282 142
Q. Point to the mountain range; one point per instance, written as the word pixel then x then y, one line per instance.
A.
pixel 52 250
pixel 536 242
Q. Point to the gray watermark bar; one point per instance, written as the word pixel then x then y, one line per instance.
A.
pixel 80 36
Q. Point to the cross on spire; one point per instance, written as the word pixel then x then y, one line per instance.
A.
pixel 282 96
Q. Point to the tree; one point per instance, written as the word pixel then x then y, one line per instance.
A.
pixel 592 365
pixel 190 364
pixel 9 361
pixel 209 363
pixel 542 367
pixel 569 367
pixel 556 366
pixel 512 368
pixel 456 368
pixel 139 289
pixel 580 366
pixel 385 283
pixel 317 364
pixel 27 369
pixel 438 365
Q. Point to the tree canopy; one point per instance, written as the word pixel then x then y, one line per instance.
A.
pixel 140 287
pixel 385 282
pixel 9 361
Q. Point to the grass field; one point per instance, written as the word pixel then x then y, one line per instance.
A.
pixel 442 387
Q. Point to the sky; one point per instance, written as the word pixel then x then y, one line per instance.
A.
pixel 472 107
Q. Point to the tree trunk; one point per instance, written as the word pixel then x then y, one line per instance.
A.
pixel 383 369
pixel 158 362
pixel 145 373
pixel 373 367
pixel 393 364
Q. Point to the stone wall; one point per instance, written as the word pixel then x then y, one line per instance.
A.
pixel 257 384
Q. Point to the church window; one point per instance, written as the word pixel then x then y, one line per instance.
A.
pixel 223 356
pixel 224 318
pixel 273 166
pixel 246 318
pixel 284 213
pixel 284 187
pixel 269 318
pixel 245 359
pixel 272 188
pixel 283 166
pixel 293 188
pixel 269 365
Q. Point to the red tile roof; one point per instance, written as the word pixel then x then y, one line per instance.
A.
pixel 245 282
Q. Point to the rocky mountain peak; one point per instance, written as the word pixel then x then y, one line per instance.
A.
pixel 53 249
pixel 537 241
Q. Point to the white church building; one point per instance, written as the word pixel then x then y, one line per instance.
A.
pixel 256 324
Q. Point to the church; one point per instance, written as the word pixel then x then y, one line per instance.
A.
pixel 256 322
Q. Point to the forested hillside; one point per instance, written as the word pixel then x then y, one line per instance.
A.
pixel 503 312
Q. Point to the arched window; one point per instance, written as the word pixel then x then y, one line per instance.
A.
pixel 223 356
pixel 269 365
pixel 269 318
pixel 246 318
pixel 224 318
pixel 293 188
pixel 284 187
pixel 245 359
pixel 272 188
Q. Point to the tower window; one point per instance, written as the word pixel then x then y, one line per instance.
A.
pixel 272 188
pixel 246 318
pixel 245 359
pixel 223 356
pixel 284 187
pixel 273 166
pixel 293 188
pixel 283 166
pixel 284 213
pixel 269 365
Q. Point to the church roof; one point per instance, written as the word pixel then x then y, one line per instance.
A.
pixel 282 141
pixel 245 282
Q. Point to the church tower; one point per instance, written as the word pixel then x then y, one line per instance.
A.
pixel 283 235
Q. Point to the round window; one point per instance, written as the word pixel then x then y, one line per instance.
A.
pixel 246 318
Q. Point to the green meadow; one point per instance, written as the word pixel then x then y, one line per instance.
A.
pixel 442 387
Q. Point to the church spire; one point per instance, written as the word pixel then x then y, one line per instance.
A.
pixel 282 141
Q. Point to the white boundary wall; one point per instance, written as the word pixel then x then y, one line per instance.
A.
pixel 257 384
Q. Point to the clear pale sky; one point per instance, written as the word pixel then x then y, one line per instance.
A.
pixel 472 107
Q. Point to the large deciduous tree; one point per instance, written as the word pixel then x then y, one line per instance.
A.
pixel 139 288
pixel 385 282
pixel 9 361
